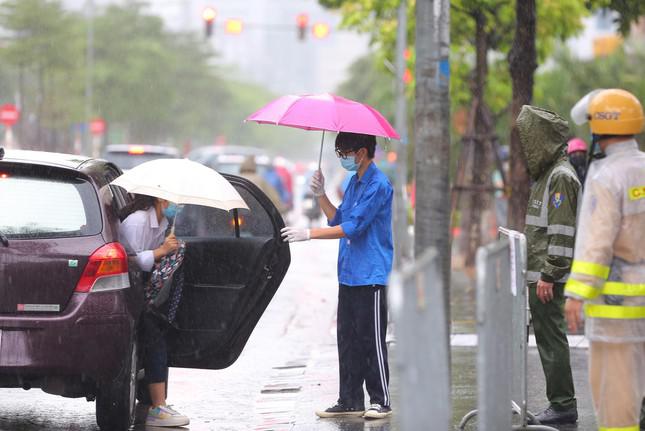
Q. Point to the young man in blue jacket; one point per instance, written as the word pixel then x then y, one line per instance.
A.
pixel 363 222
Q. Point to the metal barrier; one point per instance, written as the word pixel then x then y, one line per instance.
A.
pixel 502 329
pixel 422 357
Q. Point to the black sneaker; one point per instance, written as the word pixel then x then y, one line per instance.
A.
pixel 553 416
pixel 377 411
pixel 338 410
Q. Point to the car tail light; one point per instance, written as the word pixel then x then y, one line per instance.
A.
pixel 107 269
pixel 136 149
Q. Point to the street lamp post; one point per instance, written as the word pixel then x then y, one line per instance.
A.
pixel 89 72
pixel 402 248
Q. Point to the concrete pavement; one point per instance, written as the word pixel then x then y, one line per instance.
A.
pixel 289 368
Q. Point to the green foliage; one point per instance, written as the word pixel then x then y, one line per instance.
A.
pixel 557 20
pixel 559 88
pixel 43 50
pixel 629 11
pixel 370 84
pixel 150 85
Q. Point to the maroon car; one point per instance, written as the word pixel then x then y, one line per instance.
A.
pixel 70 297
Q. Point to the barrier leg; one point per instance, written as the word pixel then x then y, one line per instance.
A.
pixel 464 421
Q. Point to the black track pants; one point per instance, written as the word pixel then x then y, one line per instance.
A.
pixel 362 353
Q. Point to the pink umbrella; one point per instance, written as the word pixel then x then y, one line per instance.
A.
pixel 324 112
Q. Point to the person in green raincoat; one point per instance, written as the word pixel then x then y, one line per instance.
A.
pixel 550 234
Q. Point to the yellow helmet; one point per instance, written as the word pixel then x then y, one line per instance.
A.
pixel 615 112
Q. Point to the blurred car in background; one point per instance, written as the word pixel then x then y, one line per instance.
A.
pixel 228 159
pixel 128 156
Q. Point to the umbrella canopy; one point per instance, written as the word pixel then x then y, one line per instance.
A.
pixel 181 181
pixel 325 112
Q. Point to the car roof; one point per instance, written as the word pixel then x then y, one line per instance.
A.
pixel 226 149
pixel 154 149
pixel 71 161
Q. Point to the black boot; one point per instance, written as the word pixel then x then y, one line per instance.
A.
pixel 553 416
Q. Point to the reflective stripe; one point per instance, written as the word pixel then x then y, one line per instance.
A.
pixel 543 219
pixel 533 276
pixel 535 221
pixel 614 311
pixel 558 250
pixel 560 229
pixel 581 289
pixel 623 289
pixel 590 268
pixel 630 428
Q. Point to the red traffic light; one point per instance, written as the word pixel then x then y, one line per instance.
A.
pixel 209 14
pixel 302 20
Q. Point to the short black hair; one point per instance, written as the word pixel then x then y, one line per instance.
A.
pixel 347 141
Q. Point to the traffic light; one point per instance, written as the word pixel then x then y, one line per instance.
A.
pixel 234 26
pixel 208 15
pixel 320 30
pixel 302 21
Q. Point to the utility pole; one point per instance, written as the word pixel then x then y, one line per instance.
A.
pixel 401 237
pixel 188 15
pixel 89 83
pixel 432 133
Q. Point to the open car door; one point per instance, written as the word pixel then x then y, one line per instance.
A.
pixel 234 264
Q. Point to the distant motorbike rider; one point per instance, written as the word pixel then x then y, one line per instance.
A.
pixel 577 152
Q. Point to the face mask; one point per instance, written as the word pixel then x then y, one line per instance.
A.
pixel 579 162
pixel 170 211
pixel 350 164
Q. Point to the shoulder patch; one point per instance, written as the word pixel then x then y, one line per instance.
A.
pixel 636 193
pixel 557 199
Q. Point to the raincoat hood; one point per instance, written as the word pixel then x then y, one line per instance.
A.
pixel 543 136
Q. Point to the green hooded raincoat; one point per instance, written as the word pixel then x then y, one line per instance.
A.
pixel 550 234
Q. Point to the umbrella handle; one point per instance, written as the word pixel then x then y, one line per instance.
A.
pixel 321 149
pixel 174 220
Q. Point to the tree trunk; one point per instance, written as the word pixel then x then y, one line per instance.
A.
pixel 481 130
pixel 432 136
pixel 522 62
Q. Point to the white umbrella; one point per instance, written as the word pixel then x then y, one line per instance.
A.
pixel 181 181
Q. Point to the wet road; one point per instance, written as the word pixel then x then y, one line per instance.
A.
pixel 288 369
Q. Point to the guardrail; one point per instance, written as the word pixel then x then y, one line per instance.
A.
pixel 416 299
pixel 502 329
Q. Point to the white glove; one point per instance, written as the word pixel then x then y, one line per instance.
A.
pixel 294 234
pixel 317 185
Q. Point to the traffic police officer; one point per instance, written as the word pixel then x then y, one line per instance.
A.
pixel 550 234
pixel 608 271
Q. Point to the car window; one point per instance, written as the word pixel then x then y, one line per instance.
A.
pixel 120 198
pixel 255 221
pixel 201 221
pixel 228 168
pixel 36 207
